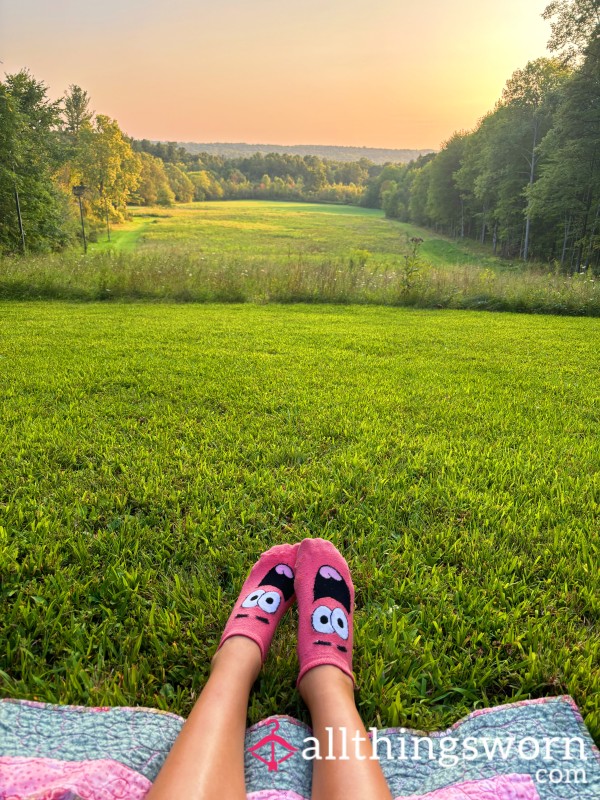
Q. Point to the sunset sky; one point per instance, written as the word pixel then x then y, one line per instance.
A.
pixel 378 73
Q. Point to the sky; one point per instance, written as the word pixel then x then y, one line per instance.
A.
pixel 373 73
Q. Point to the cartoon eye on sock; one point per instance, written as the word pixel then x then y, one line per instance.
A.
pixel 268 601
pixel 331 620
pixel 279 583
pixel 326 620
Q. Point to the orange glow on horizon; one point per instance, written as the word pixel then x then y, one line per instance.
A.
pixel 378 74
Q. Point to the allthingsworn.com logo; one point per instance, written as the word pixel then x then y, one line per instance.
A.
pixel 273 749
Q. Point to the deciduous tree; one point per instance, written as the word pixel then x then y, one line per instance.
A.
pixel 29 156
pixel 76 110
pixel 574 24
pixel 106 164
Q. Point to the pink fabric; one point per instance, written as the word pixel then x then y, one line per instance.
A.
pixel 262 603
pixel 48 779
pixel 275 794
pixel 323 589
pixel 502 787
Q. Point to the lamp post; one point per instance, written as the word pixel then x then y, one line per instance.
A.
pixel 78 192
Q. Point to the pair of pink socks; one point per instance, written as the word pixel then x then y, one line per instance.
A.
pixel 314 574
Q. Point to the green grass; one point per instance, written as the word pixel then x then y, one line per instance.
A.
pixel 124 238
pixel 251 251
pixel 275 230
pixel 149 453
pixel 253 230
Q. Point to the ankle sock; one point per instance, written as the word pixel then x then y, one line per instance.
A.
pixel 265 597
pixel 325 596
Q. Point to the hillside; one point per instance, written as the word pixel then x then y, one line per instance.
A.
pixel 241 149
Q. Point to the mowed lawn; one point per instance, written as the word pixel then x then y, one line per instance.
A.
pixel 149 453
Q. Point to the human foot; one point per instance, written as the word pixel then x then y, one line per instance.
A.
pixel 325 596
pixel 265 597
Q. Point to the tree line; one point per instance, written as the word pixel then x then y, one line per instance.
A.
pixel 276 176
pixel 376 155
pixel 527 179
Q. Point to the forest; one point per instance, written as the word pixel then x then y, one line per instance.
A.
pixel 526 181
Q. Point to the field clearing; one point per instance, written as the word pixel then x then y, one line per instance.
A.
pixel 149 453
pixel 261 252
pixel 255 230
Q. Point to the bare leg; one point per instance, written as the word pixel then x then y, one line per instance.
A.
pixel 329 695
pixel 207 759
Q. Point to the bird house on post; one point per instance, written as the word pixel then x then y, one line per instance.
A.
pixel 79 191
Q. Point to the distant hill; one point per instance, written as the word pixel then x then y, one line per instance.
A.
pixel 242 150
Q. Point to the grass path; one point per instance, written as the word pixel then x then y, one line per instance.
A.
pixel 149 453
pixel 124 238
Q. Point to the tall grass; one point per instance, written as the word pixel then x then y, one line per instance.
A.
pixel 185 275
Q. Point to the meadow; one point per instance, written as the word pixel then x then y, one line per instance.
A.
pixel 263 252
pixel 150 452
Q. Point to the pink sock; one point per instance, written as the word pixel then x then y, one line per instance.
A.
pixel 325 596
pixel 265 597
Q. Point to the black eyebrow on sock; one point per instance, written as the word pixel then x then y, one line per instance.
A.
pixel 263 619
pixel 328 644
pixel 241 615
pixel 342 648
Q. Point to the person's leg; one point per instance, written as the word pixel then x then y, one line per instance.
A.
pixel 346 769
pixel 350 771
pixel 207 759
pixel 325 596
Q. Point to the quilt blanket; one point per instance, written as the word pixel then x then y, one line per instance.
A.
pixel 532 750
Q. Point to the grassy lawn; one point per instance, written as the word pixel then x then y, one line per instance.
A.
pixel 149 453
